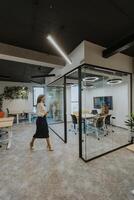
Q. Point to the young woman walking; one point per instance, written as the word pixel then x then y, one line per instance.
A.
pixel 42 131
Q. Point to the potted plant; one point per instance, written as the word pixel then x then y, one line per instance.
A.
pixel 130 123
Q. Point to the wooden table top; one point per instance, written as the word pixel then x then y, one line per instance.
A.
pixel 6 122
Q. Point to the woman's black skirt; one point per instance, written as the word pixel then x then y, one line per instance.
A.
pixel 41 128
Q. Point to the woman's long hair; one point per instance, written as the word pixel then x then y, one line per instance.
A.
pixel 40 98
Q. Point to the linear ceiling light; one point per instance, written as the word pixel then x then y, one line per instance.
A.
pixel 53 42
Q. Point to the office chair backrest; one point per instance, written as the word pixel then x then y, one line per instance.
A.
pixel 74 119
pixel 100 122
pixel 107 120
pixel 7 110
pixel 94 112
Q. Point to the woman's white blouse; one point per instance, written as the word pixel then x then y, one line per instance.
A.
pixel 40 110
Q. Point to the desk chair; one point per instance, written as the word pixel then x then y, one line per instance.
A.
pixel 94 112
pixel 107 120
pixel 75 124
pixel 112 122
pixel 109 123
pixel 98 126
pixel 11 115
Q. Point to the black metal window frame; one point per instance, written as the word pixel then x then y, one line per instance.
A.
pixel 80 107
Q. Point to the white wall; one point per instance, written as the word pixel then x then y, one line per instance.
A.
pixel 121 101
pixel 18 104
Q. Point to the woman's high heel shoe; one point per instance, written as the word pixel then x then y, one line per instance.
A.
pixel 31 146
pixel 49 148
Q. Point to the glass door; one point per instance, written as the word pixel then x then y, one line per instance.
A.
pixel 56 106
pixel 72 110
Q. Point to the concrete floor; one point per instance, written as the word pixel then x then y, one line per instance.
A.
pixel 61 175
pixel 91 146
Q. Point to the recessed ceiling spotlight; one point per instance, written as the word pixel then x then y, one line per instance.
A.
pixel 91 79
pixel 58 48
pixel 114 81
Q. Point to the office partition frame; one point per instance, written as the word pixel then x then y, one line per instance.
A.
pixel 79 68
pixel 64 138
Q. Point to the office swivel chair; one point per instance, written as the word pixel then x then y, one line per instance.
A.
pixel 75 123
pixel 8 113
pixel 112 122
pixel 109 124
pixel 107 120
pixel 94 112
pixel 11 115
pixel 98 126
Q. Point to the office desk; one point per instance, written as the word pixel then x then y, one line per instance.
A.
pixel 7 122
pixel 18 113
pixel 85 116
pixel 88 116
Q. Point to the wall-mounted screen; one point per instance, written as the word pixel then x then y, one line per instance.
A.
pixel 101 101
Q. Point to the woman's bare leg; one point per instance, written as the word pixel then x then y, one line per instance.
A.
pixel 32 143
pixel 48 144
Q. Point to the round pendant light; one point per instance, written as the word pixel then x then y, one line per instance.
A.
pixel 114 81
pixel 91 79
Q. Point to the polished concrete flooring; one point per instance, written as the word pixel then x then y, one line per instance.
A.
pixel 61 175
pixel 91 146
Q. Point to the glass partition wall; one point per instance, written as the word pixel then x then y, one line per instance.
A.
pixel 72 111
pixel 91 105
pixel 56 107
pixel 106 104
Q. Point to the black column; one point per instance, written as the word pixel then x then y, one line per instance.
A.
pixel 80 108
pixel 65 114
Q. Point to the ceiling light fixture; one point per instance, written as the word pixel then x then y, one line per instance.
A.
pixel 114 81
pixel 90 79
pixel 54 43
pixel 90 86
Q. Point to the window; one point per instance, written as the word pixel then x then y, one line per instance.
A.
pixel 74 98
pixel 36 92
